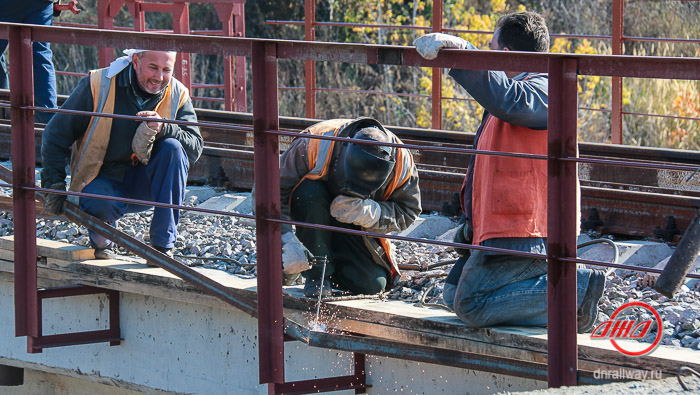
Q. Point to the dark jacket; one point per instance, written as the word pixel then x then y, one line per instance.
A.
pixel 64 129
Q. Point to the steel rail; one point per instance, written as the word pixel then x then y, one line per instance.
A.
pixel 601 65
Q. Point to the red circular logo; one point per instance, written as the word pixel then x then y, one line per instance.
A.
pixel 624 328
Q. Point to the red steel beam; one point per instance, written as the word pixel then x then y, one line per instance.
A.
pixel 225 13
pixel 310 65
pixel 601 65
pixel 23 159
pixel 267 206
pixel 437 71
pixel 562 223
pixel 181 25
pixel 616 82
pixel 240 95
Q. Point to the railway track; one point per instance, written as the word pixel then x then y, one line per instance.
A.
pixel 629 201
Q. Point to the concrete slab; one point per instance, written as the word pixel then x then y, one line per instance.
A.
pixel 429 227
pixel 230 202
pixel 202 193
pixel 632 253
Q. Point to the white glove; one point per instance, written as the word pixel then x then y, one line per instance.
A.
pixel 295 257
pixel 429 45
pixel 353 210
pixel 142 143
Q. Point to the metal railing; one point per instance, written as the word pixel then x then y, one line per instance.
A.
pixel 617 39
pixel 562 160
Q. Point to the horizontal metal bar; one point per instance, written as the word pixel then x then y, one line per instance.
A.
pixel 409 146
pixel 324 384
pixel 137 201
pixel 620 266
pixel 72 290
pixel 133 117
pixel 404 238
pixel 629 163
pixel 77 338
pixel 602 65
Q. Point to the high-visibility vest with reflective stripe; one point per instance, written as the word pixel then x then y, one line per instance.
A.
pixel 89 152
pixel 319 156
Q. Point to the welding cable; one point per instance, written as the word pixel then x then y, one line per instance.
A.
pixel 616 250
pixel 422 303
pixel 680 374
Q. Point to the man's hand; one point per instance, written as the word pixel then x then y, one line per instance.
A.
pixel 142 143
pixel 295 257
pixel 53 203
pixel 462 238
pixel 353 210
pixel 155 125
pixel 429 45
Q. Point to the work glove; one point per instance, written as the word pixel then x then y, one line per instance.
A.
pixel 53 203
pixel 429 45
pixel 357 211
pixel 295 257
pixel 142 143
pixel 462 238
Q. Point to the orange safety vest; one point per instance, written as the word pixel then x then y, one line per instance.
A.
pixel 509 194
pixel 89 151
pixel 320 152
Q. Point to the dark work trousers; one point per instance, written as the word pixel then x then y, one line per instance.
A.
pixel 162 180
pixel 37 12
pixel 350 265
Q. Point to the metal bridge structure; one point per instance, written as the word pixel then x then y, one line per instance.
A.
pixel 562 159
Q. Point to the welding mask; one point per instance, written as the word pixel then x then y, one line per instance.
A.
pixel 360 169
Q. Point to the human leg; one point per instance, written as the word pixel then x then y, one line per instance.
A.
pixel 310 202
pixel 107 210
pixel 163 180
pixel 41 13
pixel 506 290
pixel 355 269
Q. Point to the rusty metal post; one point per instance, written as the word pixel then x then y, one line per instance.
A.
pixel 181 25
pixel 105 20
pixel 225 13
pixel 310 65
pixel 267 205
pixel 23 205
pixel 240 96
pixel 562 223
pixel 437 71
pixel 616 87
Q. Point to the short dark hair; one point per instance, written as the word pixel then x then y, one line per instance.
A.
pixel 523 31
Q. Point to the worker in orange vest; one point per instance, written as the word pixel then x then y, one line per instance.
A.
pixel 349 185
pixel 144 160
pixel 504 199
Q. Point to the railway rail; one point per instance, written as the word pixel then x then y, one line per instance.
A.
pixel 614 200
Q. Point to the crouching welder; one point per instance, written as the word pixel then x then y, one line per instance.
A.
pixel 349 185
pixel 146 160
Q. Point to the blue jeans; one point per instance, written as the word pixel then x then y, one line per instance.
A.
pixel 506 290
pixel 162 180
pixel 37 12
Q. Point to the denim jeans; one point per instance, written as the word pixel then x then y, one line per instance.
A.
pixel 162 180
pixel 37 12
pixel 506 290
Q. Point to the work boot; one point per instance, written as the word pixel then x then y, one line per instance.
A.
pixel 289 279
pixel 162 250
pixel 105 253
pixel 588 312
pixel 312 288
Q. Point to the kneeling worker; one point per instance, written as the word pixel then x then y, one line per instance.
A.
pixel 348 185
pixel 146 160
